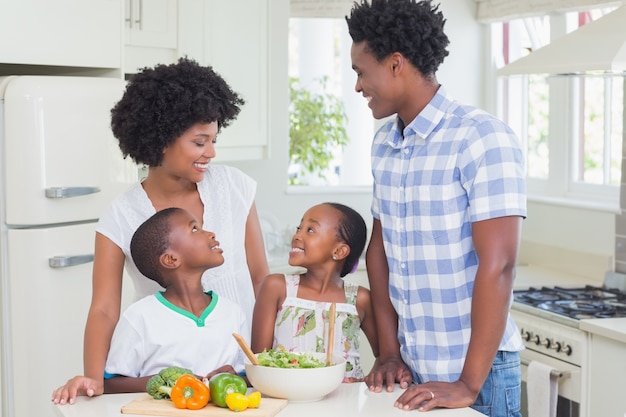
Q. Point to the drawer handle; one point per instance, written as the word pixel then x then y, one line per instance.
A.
pixel 65 192
pixel 67 261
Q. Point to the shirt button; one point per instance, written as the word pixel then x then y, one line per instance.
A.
pixel 403 265
pixel 406 151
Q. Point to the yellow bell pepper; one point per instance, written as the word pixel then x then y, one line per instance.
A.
pixel 237 401
pixel 254 399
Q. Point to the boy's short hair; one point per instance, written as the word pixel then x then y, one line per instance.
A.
pixel 413 28
pixel 150 241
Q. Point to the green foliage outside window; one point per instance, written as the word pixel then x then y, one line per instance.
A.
pixel 316 130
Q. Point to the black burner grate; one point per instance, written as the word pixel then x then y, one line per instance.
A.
pixel 577 303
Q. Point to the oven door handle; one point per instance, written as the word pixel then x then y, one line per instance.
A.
pixel 555 372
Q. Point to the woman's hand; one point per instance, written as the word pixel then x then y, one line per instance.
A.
pixel 79 385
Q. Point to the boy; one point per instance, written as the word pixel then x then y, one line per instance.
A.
pixel 183 325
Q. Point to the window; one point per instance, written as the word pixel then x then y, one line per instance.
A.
pixel 319 62
pixel 571 125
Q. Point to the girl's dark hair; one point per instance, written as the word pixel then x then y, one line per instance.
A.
pixel 150 241
pixel 353 232
pixel 161 103
pixel 413 28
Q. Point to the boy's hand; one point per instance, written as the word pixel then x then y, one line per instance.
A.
pixel 79 385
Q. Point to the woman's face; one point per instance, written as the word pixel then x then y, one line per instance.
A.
pixel 189 155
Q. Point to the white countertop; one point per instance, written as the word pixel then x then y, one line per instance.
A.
pixel 347 400
pixel 612 328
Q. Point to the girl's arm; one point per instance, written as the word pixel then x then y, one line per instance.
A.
pixel 271 295
pixel 255 250
pixel 368 322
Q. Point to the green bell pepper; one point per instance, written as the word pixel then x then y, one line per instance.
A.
pixel 223 384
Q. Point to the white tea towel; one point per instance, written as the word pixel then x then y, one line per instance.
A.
pixel 542 387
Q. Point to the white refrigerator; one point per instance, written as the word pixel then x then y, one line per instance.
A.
pixel 59 167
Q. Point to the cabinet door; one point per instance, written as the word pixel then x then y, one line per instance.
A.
pixel 150 33
pixel 151 23
pixel 232 37
pixel 237 47
pixel 73 33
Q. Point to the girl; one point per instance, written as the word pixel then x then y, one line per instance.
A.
pixel 291 311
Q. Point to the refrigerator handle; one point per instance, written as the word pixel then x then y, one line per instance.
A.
pixel 65 192
pixel 66 261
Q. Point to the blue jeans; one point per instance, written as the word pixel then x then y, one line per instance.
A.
pixel 500 396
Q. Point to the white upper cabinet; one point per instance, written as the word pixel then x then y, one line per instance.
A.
pixel 233 37
pixel 72 33
pixel 150 33
pixel 151 23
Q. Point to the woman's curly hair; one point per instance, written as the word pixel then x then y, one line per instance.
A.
pixel 161 103
pixel 413 28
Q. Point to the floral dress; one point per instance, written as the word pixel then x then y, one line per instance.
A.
pixel 302 325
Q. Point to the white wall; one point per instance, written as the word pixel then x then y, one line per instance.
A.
pixel 465 36
pixel 464 76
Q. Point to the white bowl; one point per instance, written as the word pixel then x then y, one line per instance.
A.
pixel 297 384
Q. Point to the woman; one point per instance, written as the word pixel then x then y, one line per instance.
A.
pixel 169 119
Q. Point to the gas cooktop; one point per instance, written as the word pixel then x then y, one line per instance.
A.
pixel 578 303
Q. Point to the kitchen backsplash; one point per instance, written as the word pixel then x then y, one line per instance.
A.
pixel 563 260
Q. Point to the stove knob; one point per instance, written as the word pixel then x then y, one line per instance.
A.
pixel 556 346
pixel 526 335
pixel 547 343
pixel 537 339
pixel 567 350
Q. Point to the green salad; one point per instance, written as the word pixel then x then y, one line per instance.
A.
pixel 278 358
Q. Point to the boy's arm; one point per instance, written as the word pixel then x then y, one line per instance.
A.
pixel 121 384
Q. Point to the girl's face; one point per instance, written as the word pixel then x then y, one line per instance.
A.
pixel 197 248
pixel 315 240
pixel 189 155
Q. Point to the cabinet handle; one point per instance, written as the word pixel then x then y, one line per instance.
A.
pixel 138 21
pixel 66 261
pixel 129 19
pixel 66 192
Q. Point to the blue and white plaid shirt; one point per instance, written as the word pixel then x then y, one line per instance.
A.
pixel 454 165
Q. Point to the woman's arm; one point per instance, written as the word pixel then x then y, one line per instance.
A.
pixel 255 250
pixel 270 297
pixel 106 299
pixel 103 315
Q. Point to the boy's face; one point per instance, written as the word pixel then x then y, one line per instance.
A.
pixel 196 248
pixel 375 80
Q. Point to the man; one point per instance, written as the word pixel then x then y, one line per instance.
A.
pixel 449 199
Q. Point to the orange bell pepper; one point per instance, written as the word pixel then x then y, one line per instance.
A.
pixel 189 392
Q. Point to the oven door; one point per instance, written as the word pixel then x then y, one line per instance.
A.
pixel 568 404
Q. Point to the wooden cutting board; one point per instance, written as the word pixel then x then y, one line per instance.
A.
pixel 146 405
